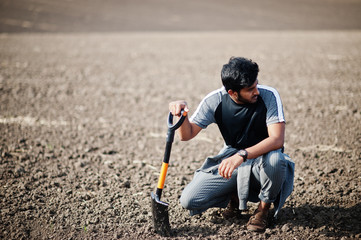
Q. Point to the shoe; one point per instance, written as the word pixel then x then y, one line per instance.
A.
pixel 229 212
pixel 232 209
pixel 258 222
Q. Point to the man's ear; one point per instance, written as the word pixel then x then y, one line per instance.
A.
pixel 232 93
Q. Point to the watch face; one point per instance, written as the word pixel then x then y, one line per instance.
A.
pixel 243 153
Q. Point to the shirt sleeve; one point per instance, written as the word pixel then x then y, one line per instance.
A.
pixel 273 104
pixel 204 115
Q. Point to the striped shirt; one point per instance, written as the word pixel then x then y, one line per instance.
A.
pixel 236 120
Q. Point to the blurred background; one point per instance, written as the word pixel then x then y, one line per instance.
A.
pixel 173 15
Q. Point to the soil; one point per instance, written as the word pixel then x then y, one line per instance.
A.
pixel 83 129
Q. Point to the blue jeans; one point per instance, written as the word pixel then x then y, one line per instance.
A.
pixel 261 178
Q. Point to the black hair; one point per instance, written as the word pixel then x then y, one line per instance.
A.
pixel 239 73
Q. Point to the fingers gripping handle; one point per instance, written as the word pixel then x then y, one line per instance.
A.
pixel 172 127
pixel 179 123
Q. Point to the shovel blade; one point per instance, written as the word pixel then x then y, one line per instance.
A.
pixel 160 216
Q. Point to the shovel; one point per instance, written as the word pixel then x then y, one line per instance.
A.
pixel 159 208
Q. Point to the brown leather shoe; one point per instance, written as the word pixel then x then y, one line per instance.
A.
pixel 232 209
pixel 258 222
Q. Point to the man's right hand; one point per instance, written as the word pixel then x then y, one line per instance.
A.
pixel 187 130
pixel 177 106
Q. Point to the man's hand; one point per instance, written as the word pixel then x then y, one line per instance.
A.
pixel 177 106
pixel 228 165
pixel 187 130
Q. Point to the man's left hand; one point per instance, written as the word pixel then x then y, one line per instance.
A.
pixel 228 165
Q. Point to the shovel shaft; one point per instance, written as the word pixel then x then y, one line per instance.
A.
pixel 168 149
pixel 163 173
pixel 164 169
pixel 159 208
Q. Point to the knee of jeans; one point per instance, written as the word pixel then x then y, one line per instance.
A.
pixel 190 201
pixel 186 201
pixel 274 159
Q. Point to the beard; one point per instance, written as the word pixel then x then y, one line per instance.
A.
pixel 244 100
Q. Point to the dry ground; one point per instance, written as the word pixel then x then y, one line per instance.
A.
pixel 83 124
pixel 84 89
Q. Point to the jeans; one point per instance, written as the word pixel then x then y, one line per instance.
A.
pixel 261 178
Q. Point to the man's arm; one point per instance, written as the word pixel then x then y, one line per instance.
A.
pixel 276 133
pixel 276 139
pixel 187 130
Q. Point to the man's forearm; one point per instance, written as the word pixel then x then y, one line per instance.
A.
pixel 188 130
pixel 265 146
pixel 275 141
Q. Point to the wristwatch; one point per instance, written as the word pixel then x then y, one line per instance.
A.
pixel 243 153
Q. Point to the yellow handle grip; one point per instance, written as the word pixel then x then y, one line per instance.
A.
pixel 163 173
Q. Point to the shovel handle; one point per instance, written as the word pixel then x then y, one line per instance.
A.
pixel 170 137
pixel 179 123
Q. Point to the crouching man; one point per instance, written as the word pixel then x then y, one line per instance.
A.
pixel 251 166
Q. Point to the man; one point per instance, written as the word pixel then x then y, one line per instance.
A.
pixel 251 163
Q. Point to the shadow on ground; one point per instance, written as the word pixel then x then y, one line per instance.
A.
pixel 330 221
